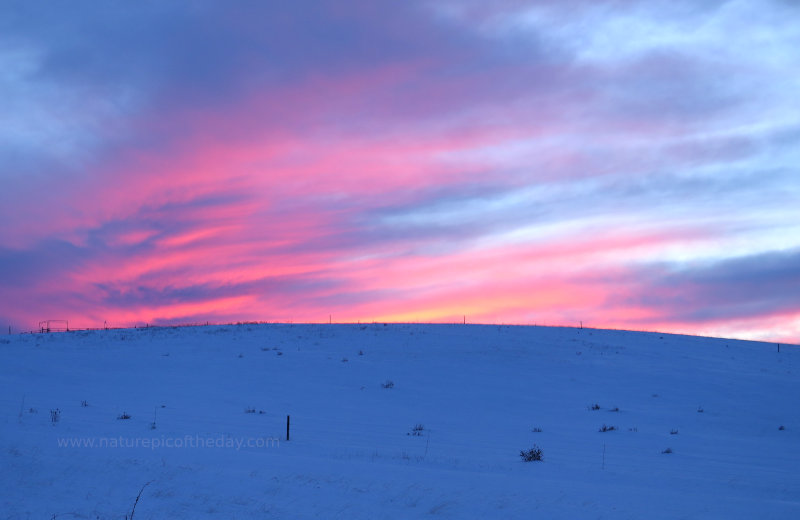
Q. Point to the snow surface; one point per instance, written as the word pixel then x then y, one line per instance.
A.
pixel 478 391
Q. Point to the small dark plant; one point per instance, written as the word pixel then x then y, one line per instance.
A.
pixel 781 428
pixel 84 404
pixel 605 428
pixel 123 416
pixel 249 410
pixel 344 360
pixel 537 430
pixel 667 451
pixel 673 432
pixel 595 406
pixel 700 409
pixel 387 384
pixel 615 409
pixel 417 430
pixel 55 415
pixel 533 454
pixel 360 352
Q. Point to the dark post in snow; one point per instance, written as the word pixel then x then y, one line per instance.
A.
pixel 287 427
pixel 779 345
pixel 465 319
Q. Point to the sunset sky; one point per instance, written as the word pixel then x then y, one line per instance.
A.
pixel 625 164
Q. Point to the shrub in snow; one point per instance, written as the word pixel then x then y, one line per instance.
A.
pixel 605 428
pixel 84 404
pixel 388 384
pixel 124 416
pixel 781 428
pixel 532 454
pixel 673 432
pixel 55 415
pixel 615 409
pixel 595 406
pixel 699 409
pixel 249 410
pixel 537 430
pixel 417 430
pixel 667 451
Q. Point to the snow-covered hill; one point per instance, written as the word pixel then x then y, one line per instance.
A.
pixel 220 395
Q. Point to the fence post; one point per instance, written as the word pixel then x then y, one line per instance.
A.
pixel 287 427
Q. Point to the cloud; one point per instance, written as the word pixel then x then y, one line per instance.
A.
pixel 756 285
pixel 419 160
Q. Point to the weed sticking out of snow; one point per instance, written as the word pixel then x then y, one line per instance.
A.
pixel 531 455
pixel 417 430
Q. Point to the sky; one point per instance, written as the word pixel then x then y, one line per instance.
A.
pixel 617 163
